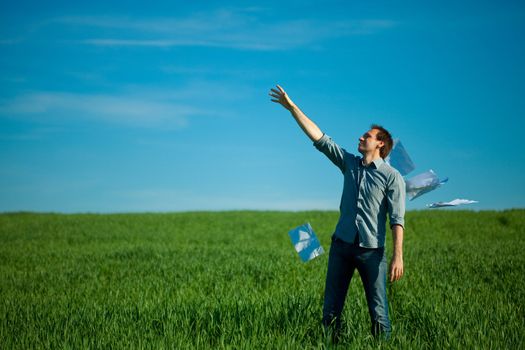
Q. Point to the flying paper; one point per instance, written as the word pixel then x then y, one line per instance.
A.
pixel 423 183
pixel 305 242
pixel 453 203
pixel 400 159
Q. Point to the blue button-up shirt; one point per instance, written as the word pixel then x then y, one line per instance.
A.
pixel 369 192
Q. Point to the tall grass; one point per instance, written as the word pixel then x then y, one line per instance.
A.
pixel 232 280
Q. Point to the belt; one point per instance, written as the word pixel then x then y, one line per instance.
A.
pixel 356 240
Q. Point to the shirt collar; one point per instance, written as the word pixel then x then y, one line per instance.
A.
pixel 377 162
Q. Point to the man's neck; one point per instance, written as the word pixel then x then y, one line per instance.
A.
pixel 369 158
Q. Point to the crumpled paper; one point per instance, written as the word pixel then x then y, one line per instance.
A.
pixel 305 242
pixel 399 159
pixel 452 203
pixel 423 183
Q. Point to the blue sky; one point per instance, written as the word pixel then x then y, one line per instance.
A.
pixel 126 107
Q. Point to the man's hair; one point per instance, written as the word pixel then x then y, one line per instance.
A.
pixel 383 135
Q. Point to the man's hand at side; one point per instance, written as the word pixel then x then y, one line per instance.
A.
pixel 396 269
pixel 396 264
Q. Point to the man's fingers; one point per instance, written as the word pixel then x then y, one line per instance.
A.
pixel 393 277
pixel 395 274
pixel 399 273
pixel 276 94
pixel 279 96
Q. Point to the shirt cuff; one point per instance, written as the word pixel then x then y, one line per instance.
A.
pixel 397 221
pixel 321 141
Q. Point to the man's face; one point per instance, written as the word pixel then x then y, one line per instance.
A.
pixel 368 143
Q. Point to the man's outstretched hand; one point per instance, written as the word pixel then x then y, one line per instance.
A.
pixel 280 96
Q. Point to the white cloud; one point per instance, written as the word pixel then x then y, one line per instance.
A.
pixel 132 105
pixel 225 28
pixel 120 109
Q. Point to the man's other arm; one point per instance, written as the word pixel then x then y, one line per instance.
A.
pixel 396 264
pixel 396 210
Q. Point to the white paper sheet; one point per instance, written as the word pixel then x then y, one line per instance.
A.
pixel 400 159
pixel 452 203
pixel 305 242
pixel 423 183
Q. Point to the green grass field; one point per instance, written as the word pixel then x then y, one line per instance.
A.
pixel 232 280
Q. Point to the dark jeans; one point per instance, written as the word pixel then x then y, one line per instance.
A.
pixel 344 258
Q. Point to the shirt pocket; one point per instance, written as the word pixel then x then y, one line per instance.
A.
pixel 375 188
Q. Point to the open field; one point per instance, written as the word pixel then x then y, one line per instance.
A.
pixel 233 280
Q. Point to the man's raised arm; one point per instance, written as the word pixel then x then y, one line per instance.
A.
pixel 308 126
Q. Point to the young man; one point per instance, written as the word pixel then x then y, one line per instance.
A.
pixel 372 188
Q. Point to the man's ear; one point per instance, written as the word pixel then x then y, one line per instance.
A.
pixel 380 144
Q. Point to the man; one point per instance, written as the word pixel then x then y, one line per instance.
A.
pixel 372 188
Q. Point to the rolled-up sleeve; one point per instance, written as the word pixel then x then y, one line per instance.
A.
pixel 396 200
pixel 332 150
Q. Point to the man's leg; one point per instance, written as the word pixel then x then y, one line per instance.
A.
pixel 372 268
pixel 340 271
